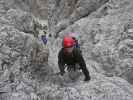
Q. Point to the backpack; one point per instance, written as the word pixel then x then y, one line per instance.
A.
pixel 75 36
pixel 76 43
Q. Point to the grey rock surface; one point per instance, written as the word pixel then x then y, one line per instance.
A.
pixel 19 33
pixel 28 68
pixel 65 12
pixel 39 8
pixel 105 39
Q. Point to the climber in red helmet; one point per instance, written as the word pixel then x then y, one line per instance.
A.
pixel 71 56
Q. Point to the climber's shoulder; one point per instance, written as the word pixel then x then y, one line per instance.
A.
pixel 77 51
pixel 60 53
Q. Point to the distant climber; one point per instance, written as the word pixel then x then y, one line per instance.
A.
pixel 38 57
pixel 71 56
pixel 44 39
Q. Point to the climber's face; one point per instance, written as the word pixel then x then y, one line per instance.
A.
pixel 69 50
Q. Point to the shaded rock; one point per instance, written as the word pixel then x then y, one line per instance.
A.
pixel 23 21
pixel 71 11
pixel 16 34
pixel 99 88
pixel 106 34
pixel 37 7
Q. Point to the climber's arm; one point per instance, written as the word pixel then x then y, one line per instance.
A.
pixel 61 63
pixel 82 64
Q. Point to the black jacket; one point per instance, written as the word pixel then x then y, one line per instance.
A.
pixel 75 58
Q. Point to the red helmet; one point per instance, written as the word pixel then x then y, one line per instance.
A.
pixel 68 42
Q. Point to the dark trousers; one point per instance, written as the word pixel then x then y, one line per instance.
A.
pixel 77 67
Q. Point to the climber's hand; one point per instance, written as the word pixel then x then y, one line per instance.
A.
pixel 61 77
pixel 70 68
pixel 62 73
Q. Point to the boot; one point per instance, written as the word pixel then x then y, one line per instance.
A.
pixel 87 78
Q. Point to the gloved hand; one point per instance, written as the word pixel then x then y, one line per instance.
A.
pixel 61 77
pixel 71 67
pixel 87 78
pixel 61 73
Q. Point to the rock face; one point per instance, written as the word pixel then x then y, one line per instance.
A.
pixel 37 7
pixel 65 12
pixel 105 32
pixel 19 41
pixel 98 89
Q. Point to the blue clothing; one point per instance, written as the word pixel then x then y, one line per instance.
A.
pixel 44 39
pixel 76 43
